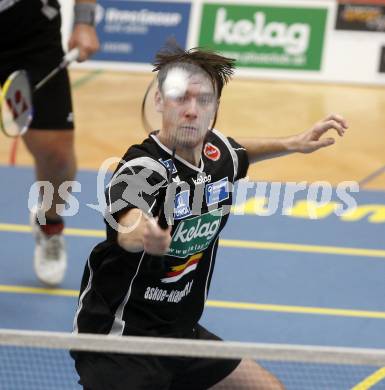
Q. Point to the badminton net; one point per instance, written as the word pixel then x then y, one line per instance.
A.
pixel 40 360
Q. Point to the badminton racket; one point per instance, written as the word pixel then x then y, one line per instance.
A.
pixel 16 107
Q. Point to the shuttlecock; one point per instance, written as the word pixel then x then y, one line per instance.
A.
pixel 175 85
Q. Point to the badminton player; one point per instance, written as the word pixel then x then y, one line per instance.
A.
pixel 30 39
pixel 148 281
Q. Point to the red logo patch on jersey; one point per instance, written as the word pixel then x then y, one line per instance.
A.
pixel 211 152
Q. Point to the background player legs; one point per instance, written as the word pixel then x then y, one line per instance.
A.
pixel 55 161
pixel 249 375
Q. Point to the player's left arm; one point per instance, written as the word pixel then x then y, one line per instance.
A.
pixel 84 34
pixel 259 149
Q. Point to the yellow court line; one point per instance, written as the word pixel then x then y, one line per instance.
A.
pixel 85 232
pixel 276 246
pixel 296 309
pixel 218 304
pixel 13 228
pixel 371 380
pixel 38 290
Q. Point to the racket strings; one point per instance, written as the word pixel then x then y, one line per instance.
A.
pixel 16 106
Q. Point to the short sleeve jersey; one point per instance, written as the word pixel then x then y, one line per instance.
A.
pixel 27 25
pixel 139 294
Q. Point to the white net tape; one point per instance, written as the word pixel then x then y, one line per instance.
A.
pixel 40 360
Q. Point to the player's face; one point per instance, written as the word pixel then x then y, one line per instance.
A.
pixel 188 118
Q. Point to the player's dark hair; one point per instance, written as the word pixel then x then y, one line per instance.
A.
pixel 218 68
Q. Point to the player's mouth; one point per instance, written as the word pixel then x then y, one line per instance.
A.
pixel 189 129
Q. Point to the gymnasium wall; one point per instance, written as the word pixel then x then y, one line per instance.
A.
pixel 305 40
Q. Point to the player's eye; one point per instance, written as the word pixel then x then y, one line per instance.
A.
pixel 181 99
pixel 205 100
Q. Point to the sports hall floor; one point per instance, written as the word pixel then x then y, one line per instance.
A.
pixel 278 279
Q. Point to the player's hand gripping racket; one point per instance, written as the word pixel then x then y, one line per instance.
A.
pixel 16 108
pixel 183 107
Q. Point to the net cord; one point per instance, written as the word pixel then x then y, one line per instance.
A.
pixel 193 348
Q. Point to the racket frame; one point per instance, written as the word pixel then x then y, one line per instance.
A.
pixel 69 57
pixel 3 100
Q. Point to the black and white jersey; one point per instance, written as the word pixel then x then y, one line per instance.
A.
pixel 26 25
pixel 140 294
pixel 33 8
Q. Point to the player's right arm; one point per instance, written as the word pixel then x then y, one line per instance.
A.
pixel 133 198
pixel 147 235
pixel 84 35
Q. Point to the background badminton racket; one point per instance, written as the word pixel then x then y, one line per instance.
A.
pixel 16 103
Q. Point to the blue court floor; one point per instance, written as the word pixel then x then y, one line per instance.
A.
pixel 278 279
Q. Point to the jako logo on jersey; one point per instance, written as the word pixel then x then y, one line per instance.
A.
pixel 178 271
pixel 217 192
pixel 211 152
pixel 182 207
pixel 195 234
pixel 202 179
pixel 168 164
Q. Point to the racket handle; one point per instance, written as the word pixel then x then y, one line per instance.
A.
pixel 71 56
pixel 158 263
pixel 67 59
pixel 162 222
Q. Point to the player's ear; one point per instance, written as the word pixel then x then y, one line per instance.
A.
pixel 213 120
pixel 216 108
pixel 158 101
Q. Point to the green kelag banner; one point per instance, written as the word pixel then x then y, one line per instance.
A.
pixel 265 37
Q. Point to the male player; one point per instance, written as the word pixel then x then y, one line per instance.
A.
pixel 148 281
pixel 30 39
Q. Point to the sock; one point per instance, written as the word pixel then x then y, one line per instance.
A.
pixel 52 226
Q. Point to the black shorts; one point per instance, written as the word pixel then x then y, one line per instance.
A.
pixel 104 371
pixel 37 48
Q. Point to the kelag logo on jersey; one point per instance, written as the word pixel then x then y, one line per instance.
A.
pixel 217 192
pixel 195 234
pixel 182 207
pixel 169 165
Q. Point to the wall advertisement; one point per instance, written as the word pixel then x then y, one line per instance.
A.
pixel 362 15
pixel 265 36
pixel 133 31
pixel 382 60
